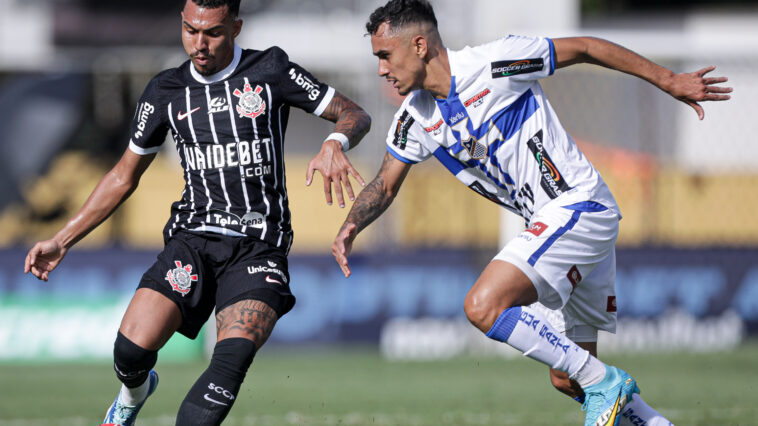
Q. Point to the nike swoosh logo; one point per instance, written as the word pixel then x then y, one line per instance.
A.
pixel 181 116
pixel 208 398
pixel 273 281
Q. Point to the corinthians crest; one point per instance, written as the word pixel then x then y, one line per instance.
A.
pixel 250 104
pixel 181 278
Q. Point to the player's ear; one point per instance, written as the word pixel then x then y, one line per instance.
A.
pixel 237 27
pixel 420 46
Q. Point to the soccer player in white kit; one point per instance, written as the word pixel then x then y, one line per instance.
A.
pixel 482 113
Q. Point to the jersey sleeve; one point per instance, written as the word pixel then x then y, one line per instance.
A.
pixel 301 89
pixel 404 139
pixel 522 58
pixel 149 125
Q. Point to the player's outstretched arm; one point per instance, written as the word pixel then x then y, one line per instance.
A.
pixel 690 88
pixel 352 122
pixel 110 192
pixel 371 203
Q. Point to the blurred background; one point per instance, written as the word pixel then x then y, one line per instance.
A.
pixel 71 72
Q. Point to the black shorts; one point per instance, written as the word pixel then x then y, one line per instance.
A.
pixel 201 270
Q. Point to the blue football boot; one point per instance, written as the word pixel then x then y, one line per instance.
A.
pixel 125 415
pixel 604 401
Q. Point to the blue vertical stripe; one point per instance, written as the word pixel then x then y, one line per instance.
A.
pixel 550 241
pixel 552 56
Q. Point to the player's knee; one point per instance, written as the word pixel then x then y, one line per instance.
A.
pixel 480 310
pixel 132 363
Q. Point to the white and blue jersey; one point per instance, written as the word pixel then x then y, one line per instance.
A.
pixel 496 131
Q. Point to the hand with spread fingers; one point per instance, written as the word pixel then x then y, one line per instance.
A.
pixel 335 167
pixel 694 87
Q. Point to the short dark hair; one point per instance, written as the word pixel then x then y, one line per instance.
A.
pixel 399 13
pixel 234 5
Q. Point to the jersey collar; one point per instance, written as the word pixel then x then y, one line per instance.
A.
pixel 221 75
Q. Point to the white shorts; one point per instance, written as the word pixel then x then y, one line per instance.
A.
pixel 568 252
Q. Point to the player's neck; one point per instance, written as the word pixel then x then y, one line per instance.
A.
pixel 438 75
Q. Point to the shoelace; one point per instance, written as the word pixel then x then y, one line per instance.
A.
pixel 594 400
pixel 122 412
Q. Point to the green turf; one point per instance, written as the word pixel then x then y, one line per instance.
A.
pixel 357 387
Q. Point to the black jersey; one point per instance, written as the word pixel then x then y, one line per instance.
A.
pixel 229 131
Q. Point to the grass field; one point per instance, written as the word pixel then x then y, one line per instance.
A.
pixel 357 387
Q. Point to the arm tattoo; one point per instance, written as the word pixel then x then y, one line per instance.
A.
pixel 373 200
pixel 350 119
pixel 251 319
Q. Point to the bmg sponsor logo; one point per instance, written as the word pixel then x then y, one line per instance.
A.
pixel 144 111
pixel 306 83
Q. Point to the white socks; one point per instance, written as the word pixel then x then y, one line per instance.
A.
pixel 637 412
pixel 133 396
pixel 528 331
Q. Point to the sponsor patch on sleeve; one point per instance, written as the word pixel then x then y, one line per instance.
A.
pixel 404 124
pixel 515 67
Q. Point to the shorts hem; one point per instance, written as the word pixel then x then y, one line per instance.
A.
pixel 280 303
pixel 540 284
pixel 188 330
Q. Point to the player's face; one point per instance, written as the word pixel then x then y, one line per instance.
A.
pixel 399 61
pixel 208 36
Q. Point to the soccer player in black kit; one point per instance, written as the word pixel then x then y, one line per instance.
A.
pixel 228 236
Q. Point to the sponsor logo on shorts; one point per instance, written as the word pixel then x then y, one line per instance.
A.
pixel 272 280
pixel 537 229
pixel 519 66
pixel 252 270
pixel 271 264
pixel 611 304
pixel 181 278
pixel 574 277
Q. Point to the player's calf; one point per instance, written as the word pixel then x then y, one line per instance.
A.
pixel 213 394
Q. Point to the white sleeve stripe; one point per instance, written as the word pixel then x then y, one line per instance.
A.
pixel 142 151
pixel 324 102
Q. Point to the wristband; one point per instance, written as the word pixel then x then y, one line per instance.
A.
pixel 339 137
